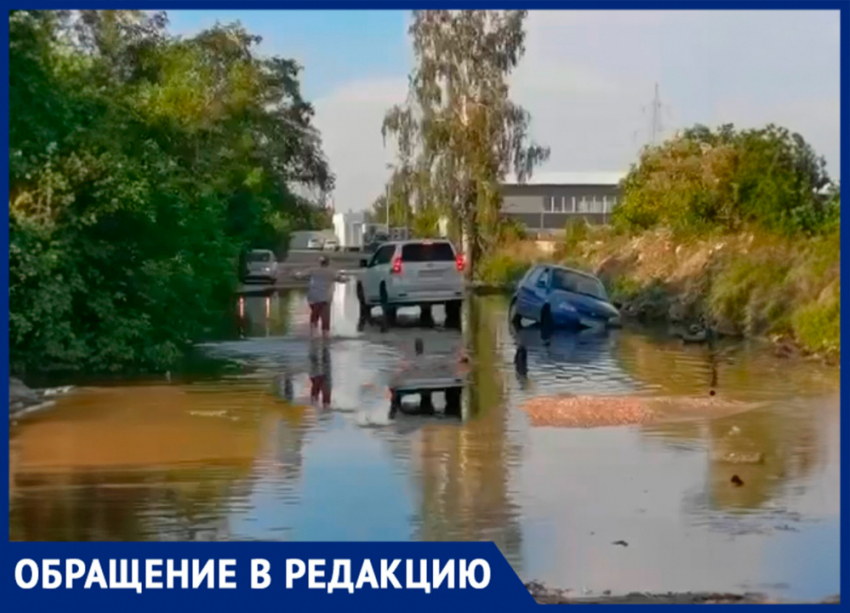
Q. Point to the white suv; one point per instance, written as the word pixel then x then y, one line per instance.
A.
pixel 412 273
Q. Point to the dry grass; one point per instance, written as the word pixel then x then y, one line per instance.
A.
pixel 750 283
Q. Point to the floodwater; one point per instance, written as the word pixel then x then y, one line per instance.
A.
pixel 232 458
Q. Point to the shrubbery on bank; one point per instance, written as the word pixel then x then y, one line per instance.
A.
pixel 737 229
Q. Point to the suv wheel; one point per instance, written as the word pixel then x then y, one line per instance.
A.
pixel 389 311
pixel 453 313
pixel 365 311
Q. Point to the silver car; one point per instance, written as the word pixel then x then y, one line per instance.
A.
pixel 260 265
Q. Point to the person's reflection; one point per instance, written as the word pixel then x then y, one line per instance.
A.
pixel 521 365
pixel 320 372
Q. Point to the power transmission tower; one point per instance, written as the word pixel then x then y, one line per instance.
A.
pixel 655 130
pixel 655 127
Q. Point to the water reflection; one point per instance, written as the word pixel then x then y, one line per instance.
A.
pixel 304 436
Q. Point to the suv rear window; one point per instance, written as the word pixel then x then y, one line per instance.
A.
pixel 427 252
pixel 260 256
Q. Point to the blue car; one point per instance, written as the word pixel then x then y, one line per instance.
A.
pixel 560 297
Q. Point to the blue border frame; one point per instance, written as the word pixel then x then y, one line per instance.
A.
pixel 19 550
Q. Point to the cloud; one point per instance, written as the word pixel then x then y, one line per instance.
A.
pixel 588 80
pixel 350 121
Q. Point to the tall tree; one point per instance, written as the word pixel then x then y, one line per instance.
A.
pixel 459 134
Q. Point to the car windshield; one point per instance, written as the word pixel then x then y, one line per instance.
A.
pixel 578 284
pixel 427 252
pixel 259 256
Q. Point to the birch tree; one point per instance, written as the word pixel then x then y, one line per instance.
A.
pixel 459 134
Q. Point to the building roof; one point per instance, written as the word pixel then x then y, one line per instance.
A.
pixel 571 178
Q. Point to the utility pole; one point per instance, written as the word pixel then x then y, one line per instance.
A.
pixel 388 207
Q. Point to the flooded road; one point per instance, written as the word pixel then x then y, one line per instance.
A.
pixel 642 507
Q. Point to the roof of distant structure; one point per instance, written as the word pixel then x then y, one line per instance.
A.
pixel 571 178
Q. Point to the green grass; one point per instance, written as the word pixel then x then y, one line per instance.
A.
pixel 501 269
pixel 817 325
pixel 758 285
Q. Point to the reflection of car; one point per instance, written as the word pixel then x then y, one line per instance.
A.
pixel 563 346
pixel 314 243
pixel 331 245
pixel 568 361
pixel 412 273
pixel 260 264
pixel 556 296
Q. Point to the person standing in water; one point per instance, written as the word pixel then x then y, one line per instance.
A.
pixel 320 294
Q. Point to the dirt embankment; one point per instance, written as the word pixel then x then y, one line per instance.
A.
pixel 745 284
pixel 707 285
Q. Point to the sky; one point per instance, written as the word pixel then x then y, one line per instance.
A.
pixel 588 79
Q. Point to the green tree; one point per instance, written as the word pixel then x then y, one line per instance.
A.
pixel 726 178
pixel 141 164
pixel 459 135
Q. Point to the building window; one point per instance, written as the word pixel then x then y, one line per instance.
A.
pixel 574 205
pixel 549 204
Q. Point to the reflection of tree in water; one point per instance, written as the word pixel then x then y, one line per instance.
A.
pixel 264 314
pixel 133 506
pixel 768 447
pixel 166 466
pixel 464 469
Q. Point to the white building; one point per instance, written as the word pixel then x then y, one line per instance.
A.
pixel 349 229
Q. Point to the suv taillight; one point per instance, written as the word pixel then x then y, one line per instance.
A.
pixel 396 269
pixel 460 262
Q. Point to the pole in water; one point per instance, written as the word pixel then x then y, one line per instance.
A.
pixel 419 346
pixel 241 307
pixel 268 306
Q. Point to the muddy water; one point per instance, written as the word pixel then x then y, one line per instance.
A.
pixel 234 459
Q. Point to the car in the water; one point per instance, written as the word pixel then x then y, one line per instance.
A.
pixel 315 243
pixel 560 297
pixel 260 265
pixel 331 245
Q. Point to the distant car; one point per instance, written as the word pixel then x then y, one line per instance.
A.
pixel 331 245
pixel 560 297
pixel 315 243
pixel 260 265
pixel 412 273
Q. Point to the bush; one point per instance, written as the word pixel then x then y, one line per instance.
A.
pixel 136 177
pixel 501 269
pixel 723 178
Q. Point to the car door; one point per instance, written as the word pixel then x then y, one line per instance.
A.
pixel 525 293
pixel 539 294
pixel 377 271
